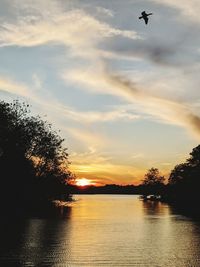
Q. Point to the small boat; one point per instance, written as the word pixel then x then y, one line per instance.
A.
pixel 151 197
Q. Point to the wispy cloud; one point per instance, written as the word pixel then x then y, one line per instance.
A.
pixel 13 87
pixel 74 28
pixel 171 111
pixel 190 9
pixel 36 93
pixel 107 172
pixel 87 137
pixel 94 117
pixel 167 110
pixel 105 11
pixel 102 55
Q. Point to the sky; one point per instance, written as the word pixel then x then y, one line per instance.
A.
pixel 124 95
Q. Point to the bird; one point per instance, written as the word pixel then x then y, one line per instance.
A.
pixel 145 16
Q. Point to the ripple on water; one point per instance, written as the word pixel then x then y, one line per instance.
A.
pixel 103 230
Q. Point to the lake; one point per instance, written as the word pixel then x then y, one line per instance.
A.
pixel 103 230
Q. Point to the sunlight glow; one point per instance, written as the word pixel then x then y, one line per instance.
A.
pixel 83 182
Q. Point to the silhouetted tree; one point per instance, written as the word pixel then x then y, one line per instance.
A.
pixel 194 159
pixel 184 180
pixel 33 163
pixel 153 177
pixel 179 174
pixel 153 182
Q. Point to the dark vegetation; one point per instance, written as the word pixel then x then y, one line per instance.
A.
pixel 34 168
pixel 184 181
pixel 153 183
pixel 107 189
pixel 181 189
pixel 33 163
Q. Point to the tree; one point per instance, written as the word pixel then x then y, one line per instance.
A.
pixel 153 181
pixel 33 162
pixel 187 173
pixel 194 160
pixel 153 177
pixel 184 180
pixel 179 174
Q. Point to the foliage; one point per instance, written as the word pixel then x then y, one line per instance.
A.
pixel 153 182
pixel 153 177
pixel 184 179
pixel 33 161
pixel 178 174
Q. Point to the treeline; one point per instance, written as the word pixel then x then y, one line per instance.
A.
pixel 34 167
pixel 184 180
pixel 183 184
pixel 107 189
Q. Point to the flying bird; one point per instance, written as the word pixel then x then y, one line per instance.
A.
pixel 145 16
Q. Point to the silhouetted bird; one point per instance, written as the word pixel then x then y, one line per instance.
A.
pixel 145 16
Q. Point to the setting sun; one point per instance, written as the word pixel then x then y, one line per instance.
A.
pixel 83 182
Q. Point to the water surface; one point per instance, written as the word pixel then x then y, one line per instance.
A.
pixel 103 230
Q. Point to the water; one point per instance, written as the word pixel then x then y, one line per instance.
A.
pixel 103 230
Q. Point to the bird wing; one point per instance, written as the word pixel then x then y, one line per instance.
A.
pixel 146 20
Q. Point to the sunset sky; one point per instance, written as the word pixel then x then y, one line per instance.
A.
pixel 125 95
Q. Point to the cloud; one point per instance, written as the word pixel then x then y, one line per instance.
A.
pixel 108 172
pixel 55 108
pixel 10 86
pixel 87 137
pixel 37 81
pixel 105 11
pixel 94 160
pixel 190 9
pixel 40 96
pixel 90 156
pixel 97 116
pixel 171 111
pixel 95 42
pixel 74 28
pixel 162 109
pixel 159 50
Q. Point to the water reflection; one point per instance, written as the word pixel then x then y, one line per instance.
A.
pixel 155 208
pixel 190 211
pixel 33 242
pixel 174 236
pixel 103 231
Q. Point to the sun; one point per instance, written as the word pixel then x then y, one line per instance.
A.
pixel 83 182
